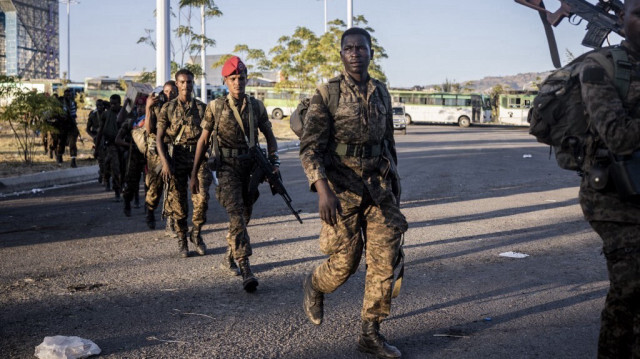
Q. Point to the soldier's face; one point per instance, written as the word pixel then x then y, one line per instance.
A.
pixel 631 23
pixel 236 84
pixel 356 54
pixel 185 85
pixel 170 91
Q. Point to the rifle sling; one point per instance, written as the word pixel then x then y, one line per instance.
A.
pixel 250 142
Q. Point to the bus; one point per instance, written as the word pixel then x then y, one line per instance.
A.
pixel 462 109
pixel 278 102
pixel 513 107
pixel 101 88
pixel 213 92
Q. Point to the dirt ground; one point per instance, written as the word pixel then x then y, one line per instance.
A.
pixel 71 263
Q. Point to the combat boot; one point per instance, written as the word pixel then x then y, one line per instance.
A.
pixel 127 208
pixel 73 162
pixel 228 263
pixel 249 282
pixel 116 197
pixel 371 341
pixel 196 239
pixel 313 301
pixel 136 199
pixel 151 219
pixel 59 159
pixel 183 250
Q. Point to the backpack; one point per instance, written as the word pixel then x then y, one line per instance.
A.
pixel 558 117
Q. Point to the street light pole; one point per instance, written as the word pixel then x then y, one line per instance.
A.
pixel 163 59
pixel 203 81
pixel 69 2
pixel 325 16
pixel 349 14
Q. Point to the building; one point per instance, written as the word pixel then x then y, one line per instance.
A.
pixel 29 39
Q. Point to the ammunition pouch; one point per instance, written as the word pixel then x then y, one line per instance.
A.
pixel 625 172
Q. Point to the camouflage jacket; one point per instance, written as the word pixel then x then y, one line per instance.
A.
pixel 93 123
pixel 175 114
pixel 359 120
pixel 229 133
pixel 109 124
pixel 616 123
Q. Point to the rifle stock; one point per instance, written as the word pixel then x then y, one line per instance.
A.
pixel 275 181
pixel 165 186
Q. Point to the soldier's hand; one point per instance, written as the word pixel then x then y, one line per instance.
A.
pixel 328 203
pixel 194 184
pixel 151 100
pixel 166 173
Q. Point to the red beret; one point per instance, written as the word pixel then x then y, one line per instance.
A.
pixel 233 66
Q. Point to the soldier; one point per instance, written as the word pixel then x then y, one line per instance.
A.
pixel 615 120
pixel 154 166
pixel 93 127
pixel 180 121
pixel 135 161
pixel 223 118
pixel 108 133
pixel 346 152
pixel 69 133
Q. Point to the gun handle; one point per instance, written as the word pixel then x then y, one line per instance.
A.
pixel 555 18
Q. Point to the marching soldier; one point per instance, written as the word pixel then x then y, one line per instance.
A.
pixel 108 132
pixel 348 154
pixel 234 122
pixel 180 121
pixel 154 165
pixel 615 120
pixel 93 127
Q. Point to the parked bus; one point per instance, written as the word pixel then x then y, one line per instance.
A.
pixel 278 102
pixel 513 108
pixel 213 92
pixel 101 88
pixel 426 107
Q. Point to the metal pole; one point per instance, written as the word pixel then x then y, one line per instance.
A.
pixel 203 81
pixel 325 16
pixel 69 40
pixel 163 27
pixel 349 14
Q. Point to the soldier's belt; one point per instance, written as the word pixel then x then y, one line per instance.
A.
pixel 364 151
pixel 185 148
pixel 233 152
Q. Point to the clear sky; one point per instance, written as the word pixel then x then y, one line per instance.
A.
pixel 427 41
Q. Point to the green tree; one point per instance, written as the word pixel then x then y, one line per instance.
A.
pixel 27 114
pixel 297 57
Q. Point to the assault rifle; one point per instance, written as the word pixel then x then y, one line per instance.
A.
pixel 601 22
pixel 275 181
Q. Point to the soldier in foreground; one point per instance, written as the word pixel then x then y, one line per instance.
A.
pixel 615 121
pixel 346 150
pixel 154 165
pixel 180 121
pixel 234 122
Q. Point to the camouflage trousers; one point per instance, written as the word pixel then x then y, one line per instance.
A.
pixel 134 171
pixel 620 318
pixel 233 194
pixel 67 138
pixel 154 181
pixel 382 226
pixel 177 197
pixel 112 164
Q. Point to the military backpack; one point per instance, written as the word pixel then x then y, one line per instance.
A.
pixel 558 117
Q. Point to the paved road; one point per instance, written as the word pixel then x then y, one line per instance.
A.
pixel 72 264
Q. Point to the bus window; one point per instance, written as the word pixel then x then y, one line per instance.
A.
pixel 514 102
pixel 527 103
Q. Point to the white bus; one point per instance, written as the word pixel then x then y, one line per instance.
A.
pixel 461 109
pixel 513 108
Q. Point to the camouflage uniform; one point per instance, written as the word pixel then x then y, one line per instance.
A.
pixel 153 179
pixel 110 128
pixel 68 135
pixel 235 171
pixel 135 163
pixel 617 222
pixel 361 181
pixel 173 116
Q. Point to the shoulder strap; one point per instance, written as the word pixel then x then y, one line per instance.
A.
pixel 330 93
pixel 618 68
pixel 250 142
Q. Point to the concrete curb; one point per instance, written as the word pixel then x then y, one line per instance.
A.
pixel 69 176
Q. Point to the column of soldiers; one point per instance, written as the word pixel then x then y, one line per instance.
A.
pixel 347 151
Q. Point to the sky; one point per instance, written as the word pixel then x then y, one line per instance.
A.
pixel 427 41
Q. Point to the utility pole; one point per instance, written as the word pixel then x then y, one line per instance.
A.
pixel 325 16
pixel 163 27
pixel 203 81
pixel 349 14
pixel 69 2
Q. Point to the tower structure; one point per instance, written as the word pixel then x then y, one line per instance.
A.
pixel 29 39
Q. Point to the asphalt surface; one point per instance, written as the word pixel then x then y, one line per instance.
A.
pixel 71 263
